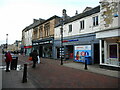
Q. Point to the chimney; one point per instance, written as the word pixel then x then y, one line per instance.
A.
pixel 35 20
pixel 76 13
pixel 64 15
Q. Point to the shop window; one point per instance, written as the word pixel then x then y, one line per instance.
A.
pixel 113 51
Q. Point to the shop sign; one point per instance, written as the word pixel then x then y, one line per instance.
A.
pixel 46 42
pixel 27 46
pixel 35 43
pixel 72 40
pixel 80 52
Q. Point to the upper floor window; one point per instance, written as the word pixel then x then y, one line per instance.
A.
pixel 47 29
pixel 81 24
pixel 70 28
pixel 95 21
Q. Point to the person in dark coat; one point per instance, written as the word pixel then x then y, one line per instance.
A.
pixel 34 55
pixel 8 60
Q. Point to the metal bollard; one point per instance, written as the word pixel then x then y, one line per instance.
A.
pixel 24 74
pixel 85 65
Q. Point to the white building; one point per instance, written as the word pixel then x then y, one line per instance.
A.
pixel 79 31
pixel 109 33
pixel 27 36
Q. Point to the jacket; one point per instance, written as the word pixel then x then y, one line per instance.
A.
pixel 8 57
pixel 34 56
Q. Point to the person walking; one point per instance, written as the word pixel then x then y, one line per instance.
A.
pixel 34 55
pixel 8 60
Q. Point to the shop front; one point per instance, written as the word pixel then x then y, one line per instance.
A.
pixel 27 50
pixel 109 49
pixel 44 47
pixel 85 45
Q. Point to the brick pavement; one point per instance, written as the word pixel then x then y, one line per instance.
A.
pixel 50 74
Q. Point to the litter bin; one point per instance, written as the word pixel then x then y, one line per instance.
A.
pixel 88 59
pixel 14 63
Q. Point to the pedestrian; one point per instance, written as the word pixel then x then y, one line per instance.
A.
pixel 34 55
pixel 8 60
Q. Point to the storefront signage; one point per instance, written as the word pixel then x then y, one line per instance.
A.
pixel 81 51
pixel 27 46
pixel 72 40
pixel 46 42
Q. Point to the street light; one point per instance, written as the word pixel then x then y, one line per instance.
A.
pixel 61 29
pixel 6 41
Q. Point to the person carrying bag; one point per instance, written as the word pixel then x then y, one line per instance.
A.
pixel 34 56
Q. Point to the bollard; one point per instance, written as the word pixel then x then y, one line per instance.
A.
pixel 85 65
pixel 24 74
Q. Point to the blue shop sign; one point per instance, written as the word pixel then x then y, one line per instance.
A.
pixel 73 40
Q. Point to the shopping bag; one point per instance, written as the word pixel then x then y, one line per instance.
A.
pixel 38 59
pixel 30 58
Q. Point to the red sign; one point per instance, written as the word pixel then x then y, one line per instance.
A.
pixel 27 46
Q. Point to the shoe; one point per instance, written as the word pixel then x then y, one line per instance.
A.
pixel 7 70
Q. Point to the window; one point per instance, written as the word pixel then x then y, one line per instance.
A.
pixel 95 21
pixel 47 29
pixel 70 28
pixel 113 51
pixel 81 25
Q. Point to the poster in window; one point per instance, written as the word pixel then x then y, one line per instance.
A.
pixel 81 51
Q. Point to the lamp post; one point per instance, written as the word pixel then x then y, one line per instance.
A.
pixel 61 29
pixel 6 41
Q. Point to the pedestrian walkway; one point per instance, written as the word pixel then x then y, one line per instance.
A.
pixel 13 79
pixel 50 74
pixel 94 69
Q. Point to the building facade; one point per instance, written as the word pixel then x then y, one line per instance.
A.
pixel 43 37
pixel 109 34
pixel 79 31
pixel 27 36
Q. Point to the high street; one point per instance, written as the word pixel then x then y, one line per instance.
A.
pixel 50 74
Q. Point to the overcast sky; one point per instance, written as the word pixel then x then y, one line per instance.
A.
pixel 15 15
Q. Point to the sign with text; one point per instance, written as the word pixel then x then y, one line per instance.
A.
pixel 81 51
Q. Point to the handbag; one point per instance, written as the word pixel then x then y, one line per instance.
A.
pixel 30 58
pixel 38 59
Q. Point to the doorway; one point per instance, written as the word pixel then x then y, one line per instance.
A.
pixel 96 54
pixel 40 51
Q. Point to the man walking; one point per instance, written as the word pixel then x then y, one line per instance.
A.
pixel 34 55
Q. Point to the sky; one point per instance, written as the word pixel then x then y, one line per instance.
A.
pixel 15 15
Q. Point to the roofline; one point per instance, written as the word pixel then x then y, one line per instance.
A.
pixel 82 15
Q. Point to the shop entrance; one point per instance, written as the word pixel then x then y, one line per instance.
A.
pixel 96 54
pixel 40 51
pixel 69 51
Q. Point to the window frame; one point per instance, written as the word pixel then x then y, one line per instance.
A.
pixel 82 24
pixel 70 28
pixel 95 21
pixel 110 50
